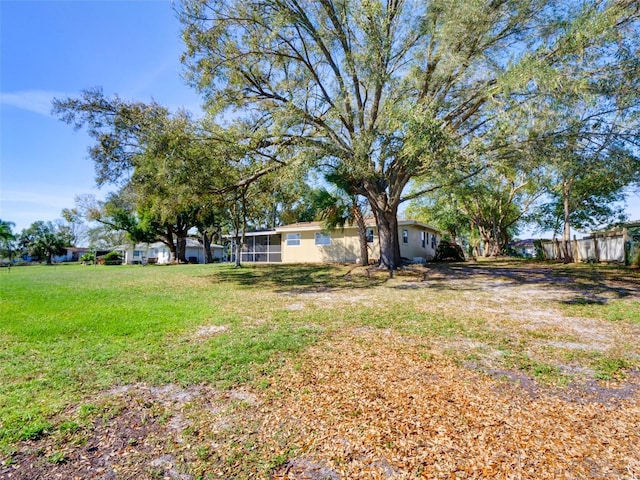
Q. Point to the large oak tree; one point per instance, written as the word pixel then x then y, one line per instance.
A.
pixel 389 91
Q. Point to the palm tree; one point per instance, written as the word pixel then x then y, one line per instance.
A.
pixel 49 244
pixel 7 236
pixel 342 208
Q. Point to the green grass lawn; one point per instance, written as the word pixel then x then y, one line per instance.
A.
pixel 68 332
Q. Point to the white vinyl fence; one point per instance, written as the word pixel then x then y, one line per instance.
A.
pixel 605 248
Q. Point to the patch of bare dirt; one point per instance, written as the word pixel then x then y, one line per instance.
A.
pixel 140 432
pixel 208 331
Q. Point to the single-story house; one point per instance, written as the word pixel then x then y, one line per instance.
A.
pixel 158 252
pixel 309 242
pixel 71 254
pixel 524 248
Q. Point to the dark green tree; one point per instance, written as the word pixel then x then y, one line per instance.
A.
pixel 42 240
pixel 7 238
pixel 387 92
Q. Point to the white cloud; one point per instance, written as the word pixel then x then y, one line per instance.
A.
pixel 37 101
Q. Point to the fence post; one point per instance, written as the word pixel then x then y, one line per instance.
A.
pixel 596 248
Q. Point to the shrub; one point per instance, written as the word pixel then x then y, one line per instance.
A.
pixel 113 258
pixel 88 257
pixel 449 251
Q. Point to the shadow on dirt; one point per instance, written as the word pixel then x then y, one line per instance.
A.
pixel 577 284
pixel 584 285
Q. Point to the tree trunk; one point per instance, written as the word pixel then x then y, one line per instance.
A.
pixel 167 239
pixel 566 232
pixel 206 241
pixel 182 250
pixel 173 253
pixel 485 236
pixel 362 233
pixel 238 252
pixel 387 223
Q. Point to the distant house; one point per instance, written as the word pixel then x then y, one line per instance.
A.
pixel 71 254
pixel 159 253
pixel 524 248
pixel 309 242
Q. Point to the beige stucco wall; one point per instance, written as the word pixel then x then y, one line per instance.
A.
pixel 344 247
pixel 413 249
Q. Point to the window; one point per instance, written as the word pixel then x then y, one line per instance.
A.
pixel 323 239
pixel 369 235
pixel 293 239
pixel 405 236
pixel 423 239
pixel 138 253
pixel 433 241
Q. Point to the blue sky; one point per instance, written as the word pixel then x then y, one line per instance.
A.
pixel 58 48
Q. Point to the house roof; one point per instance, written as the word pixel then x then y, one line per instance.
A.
pixel 319 226
pixel 190 243
pixel 369 222
pixel 528 242
pixel 315 226
pixel 403 223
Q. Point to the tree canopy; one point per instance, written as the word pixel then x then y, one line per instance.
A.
pixel 387 92
pixel 43 240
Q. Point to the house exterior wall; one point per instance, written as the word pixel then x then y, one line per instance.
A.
pixel 345 244
pixel 344 247
pixel 159 253
pixel 72 254
pixel 413 249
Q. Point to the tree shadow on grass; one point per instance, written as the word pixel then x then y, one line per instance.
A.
pixel 299 278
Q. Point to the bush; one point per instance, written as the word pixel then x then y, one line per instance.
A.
pixel 113 258
pixel 449 252
pixel 88 257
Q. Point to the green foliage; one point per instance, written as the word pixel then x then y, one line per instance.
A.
pixel 113 258
pixel 7 238
pixel 43 240
pixel 88 257
pixel 385 93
